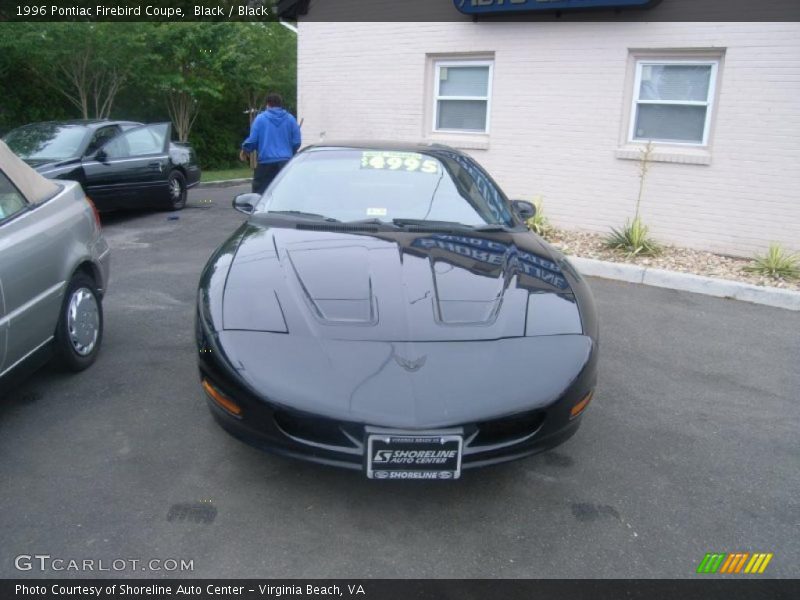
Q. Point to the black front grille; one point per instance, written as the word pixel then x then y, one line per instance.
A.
pixel 312 429
pixel 508 429
pixel 349 436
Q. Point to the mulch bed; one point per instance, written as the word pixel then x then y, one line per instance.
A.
pixel 684 260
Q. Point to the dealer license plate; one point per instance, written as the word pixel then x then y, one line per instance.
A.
pixel 391 456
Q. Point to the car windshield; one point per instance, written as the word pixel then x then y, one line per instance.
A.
pixel 47 141
pixel 386 186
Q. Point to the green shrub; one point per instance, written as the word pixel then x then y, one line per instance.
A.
pixel 776 263
pixel 633 239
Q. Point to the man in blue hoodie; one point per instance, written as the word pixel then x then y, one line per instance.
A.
pixel 276 135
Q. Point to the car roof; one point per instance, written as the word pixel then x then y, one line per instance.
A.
pixel 384 145
pixel 89 123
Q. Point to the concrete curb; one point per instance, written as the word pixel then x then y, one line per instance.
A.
pixel 223 183
pixel 709 286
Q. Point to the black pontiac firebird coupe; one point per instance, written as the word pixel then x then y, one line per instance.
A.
pixel 119 164
pixel 385 308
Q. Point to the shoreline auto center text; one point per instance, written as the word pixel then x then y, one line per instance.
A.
pixel 189 590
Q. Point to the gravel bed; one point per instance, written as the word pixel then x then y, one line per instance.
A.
pixel 685 260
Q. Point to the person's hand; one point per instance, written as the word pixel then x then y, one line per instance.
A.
pixel 243 156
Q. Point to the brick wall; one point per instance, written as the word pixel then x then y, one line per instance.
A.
pixel 559 101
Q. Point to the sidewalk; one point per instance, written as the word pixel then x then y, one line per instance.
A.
pixel 709 286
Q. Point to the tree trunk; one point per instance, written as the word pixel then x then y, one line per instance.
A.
pixel 183 109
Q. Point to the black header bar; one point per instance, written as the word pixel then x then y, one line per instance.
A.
pixel 402 589
pixel 400 10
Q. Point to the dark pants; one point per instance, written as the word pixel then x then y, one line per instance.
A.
pixel 264 174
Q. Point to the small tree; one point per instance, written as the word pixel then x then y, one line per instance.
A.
pixel 634 238
pixel 86 63
pixel 644 167
pixel 194 60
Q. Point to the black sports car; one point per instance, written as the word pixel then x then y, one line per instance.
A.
pixel 386 308
pixel 120 164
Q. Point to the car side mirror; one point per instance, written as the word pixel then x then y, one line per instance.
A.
pixel 100 155
pixel 524 209
pixel 246 203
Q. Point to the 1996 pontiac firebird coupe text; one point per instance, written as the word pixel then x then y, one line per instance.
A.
pixel 386 309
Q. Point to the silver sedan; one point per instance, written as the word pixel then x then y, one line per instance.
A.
pixel 54 264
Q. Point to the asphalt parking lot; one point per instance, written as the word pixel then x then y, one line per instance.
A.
pixel 690 446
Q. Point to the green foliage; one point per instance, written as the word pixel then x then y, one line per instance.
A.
pixel 776 263
pixel 201 76
pixel 633 239
pixel 218 133
pixel 87 64
pixel 274 70
pixel 539 223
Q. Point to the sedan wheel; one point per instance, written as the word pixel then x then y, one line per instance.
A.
pixel 177 190
pixel 80 325
pixel 83 321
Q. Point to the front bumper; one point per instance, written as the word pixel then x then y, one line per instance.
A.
pixel 289 432
pixel 354 457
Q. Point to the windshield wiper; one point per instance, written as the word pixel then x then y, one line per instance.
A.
pixel 488 227
pixel 429 223
pixel 372 221
pixel 300 213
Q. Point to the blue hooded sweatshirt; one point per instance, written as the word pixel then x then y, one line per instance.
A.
pixel 275 134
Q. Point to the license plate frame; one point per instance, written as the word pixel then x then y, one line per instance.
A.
pixel 428 460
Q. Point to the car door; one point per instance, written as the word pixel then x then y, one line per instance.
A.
pixel 3 328
pixel 101 137
pixel 130 166
pixel 29 286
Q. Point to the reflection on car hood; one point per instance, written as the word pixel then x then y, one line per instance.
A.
pixel 38 163
pixel 44 166
pixel 386 286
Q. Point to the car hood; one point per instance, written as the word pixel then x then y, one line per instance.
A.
pixel 385 286
pixel 47 166
pixel 415 385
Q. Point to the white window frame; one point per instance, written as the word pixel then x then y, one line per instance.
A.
pixel 708 104
pixel 437 66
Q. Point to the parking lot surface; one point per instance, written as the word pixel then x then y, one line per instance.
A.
pixel 690 446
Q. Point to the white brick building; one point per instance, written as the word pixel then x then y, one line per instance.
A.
pixel 560 109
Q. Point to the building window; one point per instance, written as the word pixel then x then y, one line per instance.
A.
pixel 672 101
pixel 462 96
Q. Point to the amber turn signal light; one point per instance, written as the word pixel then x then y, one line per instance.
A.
pixel 581 406
pixel 222 400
